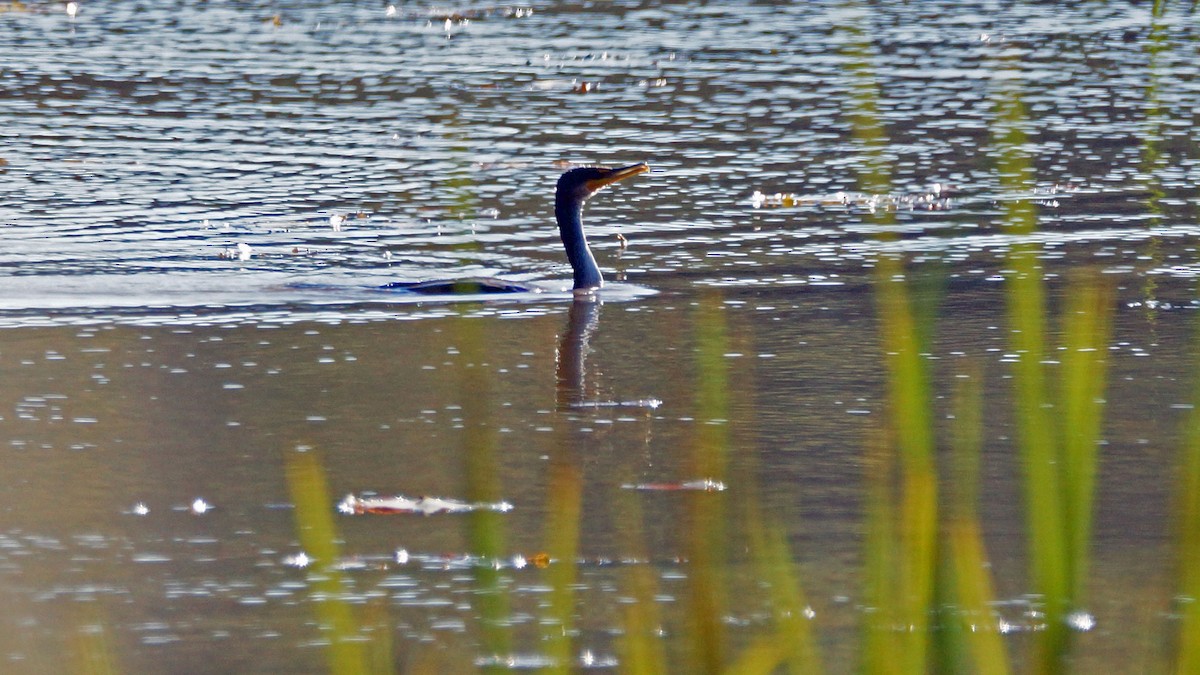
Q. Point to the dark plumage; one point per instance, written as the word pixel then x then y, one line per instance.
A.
pixel 574 188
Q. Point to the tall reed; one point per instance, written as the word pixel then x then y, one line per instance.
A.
pixel 706 514
pixel 901 579
pixel 484 527
pixel 1187 537
pixel 346 652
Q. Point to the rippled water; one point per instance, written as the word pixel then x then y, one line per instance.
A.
pixel 149 357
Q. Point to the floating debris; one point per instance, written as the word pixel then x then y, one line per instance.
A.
pixel 72 9
pixel 651 403
pixel 356 564
pixel 302 560
pixel 353 505
pixel 587 659
pixel 936 199
pixel 336 221
pixel 241 252
pixel 463 561
pixel 703 485
pixel 440 14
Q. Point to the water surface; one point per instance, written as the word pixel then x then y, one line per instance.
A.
pixel 150 359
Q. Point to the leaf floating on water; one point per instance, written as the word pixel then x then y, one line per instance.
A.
pixel 353 505
pixel 703 485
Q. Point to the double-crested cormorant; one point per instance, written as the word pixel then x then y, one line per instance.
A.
pixel 574 188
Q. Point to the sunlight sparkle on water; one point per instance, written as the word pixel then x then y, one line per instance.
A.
pixel 1081 621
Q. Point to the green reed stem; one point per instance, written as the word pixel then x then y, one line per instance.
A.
pixel 641 649
pixel 565 506
pixel 908 389
pixel 792 642
pixel 485 528
pixel 1187 535
pixel 91 644
pixel 1059 463
pixel 971 582
pixel 881 641
pixel 318 537
pixel 1086 332
pixel 706 511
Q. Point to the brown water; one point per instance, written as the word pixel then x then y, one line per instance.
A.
pixel 144 366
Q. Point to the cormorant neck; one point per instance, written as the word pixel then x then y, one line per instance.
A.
pixel 568 211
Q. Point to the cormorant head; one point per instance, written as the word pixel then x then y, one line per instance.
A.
pixel 576 185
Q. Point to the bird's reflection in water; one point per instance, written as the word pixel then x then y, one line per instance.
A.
pixel 573 348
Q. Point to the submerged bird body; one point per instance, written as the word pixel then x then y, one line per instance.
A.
pixel 574 188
